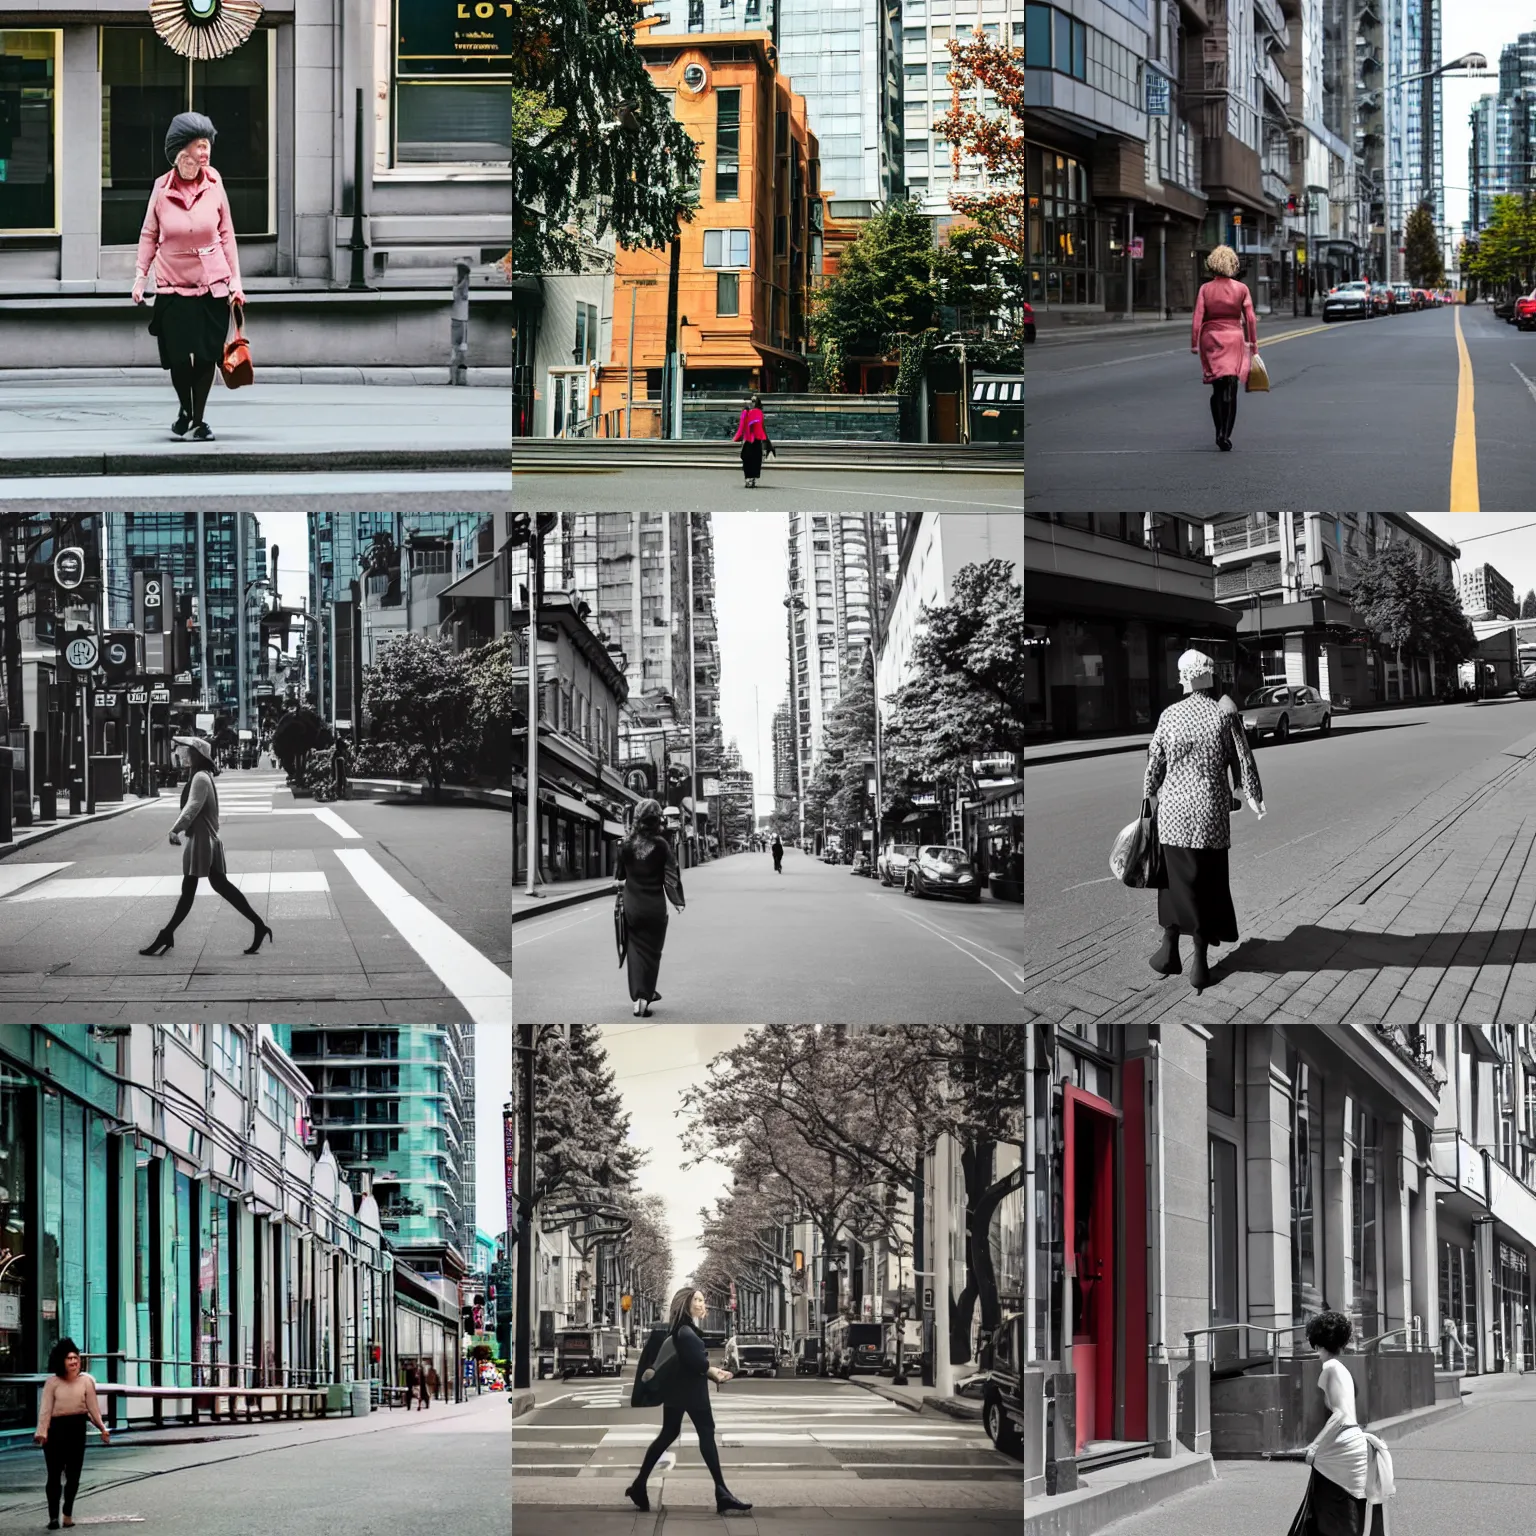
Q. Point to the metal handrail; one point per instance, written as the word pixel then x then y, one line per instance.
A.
pixel 1271 1337
pixel 1413 1331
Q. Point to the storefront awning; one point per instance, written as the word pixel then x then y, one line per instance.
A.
pixel 480 582
pixel 566 803
pixel 1483 1045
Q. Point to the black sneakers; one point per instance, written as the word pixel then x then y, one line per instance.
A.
pixel 182 422
pixel 202 433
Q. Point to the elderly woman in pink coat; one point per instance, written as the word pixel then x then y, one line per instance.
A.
pixel 1226 335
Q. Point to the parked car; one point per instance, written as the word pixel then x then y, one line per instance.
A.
pixel 1029 321
pixel 831 854
pixel 1349 301
pixel 942 871
pixel 854 1347
pixel 1279 709
pixel 579 1352
pixel 751 1354
pixel 861 864
pixel 1002 1403
pixel 1504 309
pixel 1525 312
pixel 1383 300
pixel 894 861
pixel 1526 686
pixel 1403 296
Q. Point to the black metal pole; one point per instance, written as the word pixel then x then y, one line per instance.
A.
pixel 355 244
pixel 520 1362
pixel 670 428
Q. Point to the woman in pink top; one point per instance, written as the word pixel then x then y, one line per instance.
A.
pixel 69 1400
pixel 189 239
pixel 753 437
pixel 1226 335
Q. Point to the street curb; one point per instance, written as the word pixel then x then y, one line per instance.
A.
pixel 954 1408
pixel 65 823
pixel 555 903
pixel 260 460
pixel 1137 1486
pixel 522 1402
pixel 1088 751
pixel 1522 748
pixel 1401 1424
pixel 500 800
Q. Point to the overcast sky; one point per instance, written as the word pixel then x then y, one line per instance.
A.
pixel 653 1064
pixel 751 581
pixel 493 1087
pixel 290 532
pixel 1504 540
pixel 1471 26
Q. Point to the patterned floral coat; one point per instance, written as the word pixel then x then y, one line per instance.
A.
pixel 1187 769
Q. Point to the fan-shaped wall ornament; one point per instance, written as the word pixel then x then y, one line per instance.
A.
pixel 204 29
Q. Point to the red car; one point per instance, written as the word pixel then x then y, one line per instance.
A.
pixel 1525 312
pixel 1029 321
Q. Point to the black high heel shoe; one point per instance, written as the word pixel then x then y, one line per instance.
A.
pixel 262 932
pixel 638 1497
pixel 163 941
pixel 725 1501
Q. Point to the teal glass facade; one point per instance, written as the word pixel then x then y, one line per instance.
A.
pixel 199 553
pixel 151 1261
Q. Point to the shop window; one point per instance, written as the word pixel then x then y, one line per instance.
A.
pixel 29 63
pixel 1306 1178
pixel 1367 1135
pixel 1225 1240
pixel 1221 1070
pixel 143 86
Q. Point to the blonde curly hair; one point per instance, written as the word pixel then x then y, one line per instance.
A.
pixel 1223 261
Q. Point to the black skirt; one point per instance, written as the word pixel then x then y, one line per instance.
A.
pixel 1329 1510
pixel 751 460
pixel 190 325
pixel 1196 897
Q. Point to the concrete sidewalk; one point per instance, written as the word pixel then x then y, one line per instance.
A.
pixel 551 898
pixel 1432 919
pixel 24 837
pixel 122 427
pixel 920 1399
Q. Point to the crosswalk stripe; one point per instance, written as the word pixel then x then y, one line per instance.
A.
pixel 14 876
pixel 102 887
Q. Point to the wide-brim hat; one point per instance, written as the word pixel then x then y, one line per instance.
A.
pixel 197 743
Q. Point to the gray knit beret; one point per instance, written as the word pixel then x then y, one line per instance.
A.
pixel 185 127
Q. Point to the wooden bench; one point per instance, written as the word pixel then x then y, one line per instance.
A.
pixel 286 1400
pixel 396 1397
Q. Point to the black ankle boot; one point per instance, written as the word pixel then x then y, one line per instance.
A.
pixel 725 1500
pixel 637 1494
pixel 1166 961
pixel 1199 976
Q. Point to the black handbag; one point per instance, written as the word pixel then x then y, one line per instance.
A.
pixel 620 929
pixel 652 1379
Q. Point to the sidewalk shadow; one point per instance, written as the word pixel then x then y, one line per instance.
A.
pixel 1312 948
pixel 1347 724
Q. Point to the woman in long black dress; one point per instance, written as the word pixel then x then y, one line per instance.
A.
pixel 648 875
pixel 1188 759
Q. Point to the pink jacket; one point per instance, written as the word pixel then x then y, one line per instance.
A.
pixel 750 428
pixel 189 236
pixel 1224 321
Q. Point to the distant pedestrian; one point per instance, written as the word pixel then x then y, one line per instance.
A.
pixel 752 434
pixel 687 1393
pixel 434 1382
pixel 203 854
pixel 188 239
pixel 424 1387
pixel 412 1385
pixel 778 855
pixel 1351 1478
pixel 646 868
pixel 69 1401
pixel 1225 337
pixel 1186 769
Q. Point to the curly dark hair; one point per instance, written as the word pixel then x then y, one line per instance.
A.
pixel 1330 1331
pixel 65 1346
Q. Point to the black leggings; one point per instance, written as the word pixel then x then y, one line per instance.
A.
pixel 222 884
pixel 192 381
pixel 671 1427
pixel 64 1452
pixel 1224 404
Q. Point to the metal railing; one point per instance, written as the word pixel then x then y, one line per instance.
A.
pixel 1272 1336
pixel 1413 1333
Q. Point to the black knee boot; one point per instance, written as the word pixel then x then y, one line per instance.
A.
pixel 1218 408
pixel 1166 960
pixel 1230 419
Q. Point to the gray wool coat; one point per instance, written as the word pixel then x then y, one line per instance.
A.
pixel 202 851
pixel 1187 763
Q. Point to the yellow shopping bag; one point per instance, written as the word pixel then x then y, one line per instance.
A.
pixel 1258 376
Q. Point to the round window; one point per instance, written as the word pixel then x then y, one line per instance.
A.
pixel 694 77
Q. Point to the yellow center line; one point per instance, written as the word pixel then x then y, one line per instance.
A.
pixel 1311 330
pixel 1464 452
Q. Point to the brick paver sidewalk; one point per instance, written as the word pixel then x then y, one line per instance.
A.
pixel 1428 919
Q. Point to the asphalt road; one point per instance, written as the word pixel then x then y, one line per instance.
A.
pixel 391 1474
pixel 816 944
pixel 1360 414
pixel 796 1449
pixel 704 490
pixel 379 910
pixel 1324 795
pixel 1469 1472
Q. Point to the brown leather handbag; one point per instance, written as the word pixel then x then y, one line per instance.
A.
pixel 236 363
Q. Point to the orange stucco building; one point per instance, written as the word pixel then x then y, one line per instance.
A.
pixel 749 256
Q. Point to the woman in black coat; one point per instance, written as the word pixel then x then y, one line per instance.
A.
pixel 646 868
pixel 687 1392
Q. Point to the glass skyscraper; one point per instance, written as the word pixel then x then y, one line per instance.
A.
pixel 216 557
pixel 397 1101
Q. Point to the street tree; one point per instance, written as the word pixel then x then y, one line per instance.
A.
pixel 598 149
pixel 994 140
pixel 1422 258
pixel 645 1253
pixel 733 1230
pixel 419 699
pixel 965 696
pixel 1528 605
pixel 297 734
pixel 1407 609
pixel 493 699
pixel 838 786
pixel 1503 256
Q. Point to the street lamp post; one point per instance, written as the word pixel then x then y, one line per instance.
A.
pixel 793 605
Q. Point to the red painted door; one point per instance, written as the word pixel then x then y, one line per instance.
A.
pixel 1089 1211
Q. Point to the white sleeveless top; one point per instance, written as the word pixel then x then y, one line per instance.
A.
pixel 1346 1459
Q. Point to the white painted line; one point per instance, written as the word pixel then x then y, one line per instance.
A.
pixel 644 1436
pixel 969 956
pixel 101 887
pixel 334 822
pixel 14 876
pixel 484 989
pixel 543 933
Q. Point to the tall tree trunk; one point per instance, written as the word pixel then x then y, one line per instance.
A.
pixel 983 1195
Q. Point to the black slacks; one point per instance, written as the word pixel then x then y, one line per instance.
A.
pixel 65 1454
pixel 696 1408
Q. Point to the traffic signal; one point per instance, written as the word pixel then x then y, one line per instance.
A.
pixel 120 655
pixel 1290 203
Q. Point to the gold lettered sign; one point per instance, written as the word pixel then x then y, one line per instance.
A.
pixel 464 39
